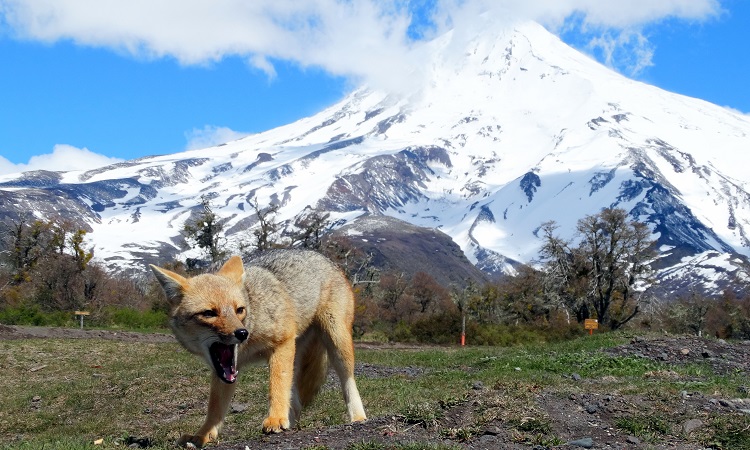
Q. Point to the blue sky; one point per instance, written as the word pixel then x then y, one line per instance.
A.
pixel 83 85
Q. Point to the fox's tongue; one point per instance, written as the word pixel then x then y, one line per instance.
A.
pixel 223 357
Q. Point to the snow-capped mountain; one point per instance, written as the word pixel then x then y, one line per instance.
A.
pixel 507 130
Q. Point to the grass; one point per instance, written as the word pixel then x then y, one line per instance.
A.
pixel 66 394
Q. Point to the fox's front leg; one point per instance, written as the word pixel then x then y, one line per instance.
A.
pixel 218 404
pixel 281 366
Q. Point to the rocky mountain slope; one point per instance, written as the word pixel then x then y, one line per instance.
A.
pixel 506 130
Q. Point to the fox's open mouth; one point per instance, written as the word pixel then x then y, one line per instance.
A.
pixel 224 358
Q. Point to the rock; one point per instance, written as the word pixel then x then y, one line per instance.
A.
pixel 691 425
pixel 685 351
pixel 494 431
pixel 586 442
pixel 633 440
pixel 591 408
pixel 477 386
pixel 576 377
pixel 488 439
pixel 237 408
pixel 136 442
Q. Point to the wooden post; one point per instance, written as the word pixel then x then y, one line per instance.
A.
pixel 81 314
pixel 463 329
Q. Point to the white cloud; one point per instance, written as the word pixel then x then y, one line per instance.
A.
pixel 365 39
pixel 63 158
pixel 210 136
pixel 628 50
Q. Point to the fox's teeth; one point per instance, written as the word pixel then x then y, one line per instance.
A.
pixel 224 358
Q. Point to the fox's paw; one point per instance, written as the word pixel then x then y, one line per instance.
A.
pixel 275 424
pixel 193 441
pixel 359 418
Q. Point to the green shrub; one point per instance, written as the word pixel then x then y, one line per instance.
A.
pixel 133 319
pixel 29 314
pixel 402 332
pixel 443 328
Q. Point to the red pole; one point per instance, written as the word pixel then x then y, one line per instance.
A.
pixel 463 330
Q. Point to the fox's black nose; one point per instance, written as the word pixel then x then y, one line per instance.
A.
pixel 241 334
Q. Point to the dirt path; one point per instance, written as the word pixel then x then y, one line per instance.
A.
pixel 17 332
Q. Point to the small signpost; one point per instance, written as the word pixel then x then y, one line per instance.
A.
pixel 81 314
pixel 591 325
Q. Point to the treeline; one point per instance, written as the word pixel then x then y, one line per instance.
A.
pixel 47 272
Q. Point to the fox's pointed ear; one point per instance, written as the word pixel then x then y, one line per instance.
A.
pixel 234 270
pixel 173 284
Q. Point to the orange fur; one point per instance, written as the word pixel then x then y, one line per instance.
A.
pixel 293 309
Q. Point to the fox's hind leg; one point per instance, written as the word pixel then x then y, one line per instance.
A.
pixel 312 365
pixel 337 336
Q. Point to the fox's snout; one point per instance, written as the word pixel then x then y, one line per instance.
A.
pixel 241 334
pixel 237 336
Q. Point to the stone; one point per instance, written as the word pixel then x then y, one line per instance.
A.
pixel 586 442
pixel 633 440
pixel 691 425
pixel 237 408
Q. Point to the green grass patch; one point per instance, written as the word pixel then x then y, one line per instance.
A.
pixel 111 317
pixel 644 426
pixel 728 432
pixel 69 393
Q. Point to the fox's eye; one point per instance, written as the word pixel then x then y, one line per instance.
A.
pixel 240 310
pixel 208 313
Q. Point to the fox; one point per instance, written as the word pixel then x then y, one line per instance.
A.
pixel 292 309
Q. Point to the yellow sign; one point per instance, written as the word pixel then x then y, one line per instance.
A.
pixel 590 324
pixel 82 313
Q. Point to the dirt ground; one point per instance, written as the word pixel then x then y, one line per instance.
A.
pixel 586 419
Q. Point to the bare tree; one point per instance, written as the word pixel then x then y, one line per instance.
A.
pixel 605 274
pixel 425 290
pixel 266 230
pixel 356 264
pixel 311 225
pixel 560 277
pixel 206 231
pixel 614 253
pixel 392 288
